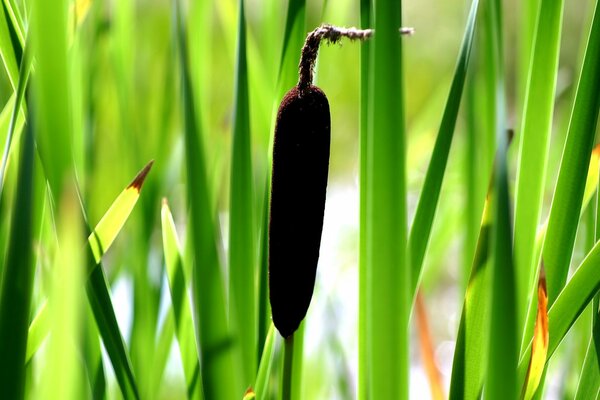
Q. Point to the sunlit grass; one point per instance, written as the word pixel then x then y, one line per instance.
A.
pixel 118 290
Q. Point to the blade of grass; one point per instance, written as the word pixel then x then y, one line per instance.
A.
pixel 540 341
pixel 242 261
pixel 220 377
pixel 161 354
pixel 569 304
pixel 533 149
pixel 570 187
pixel 470 355
pixel 7 51
pixel 98 294
pixel 501 380
pixel 53 100
pixel 264 306
pixel 589 380
pixel 62 376
pixel 261 384
pixel 99 241
pixel 184 325
pixel 366 10
pixel 388 276
pixel 428 200
pixel 17 279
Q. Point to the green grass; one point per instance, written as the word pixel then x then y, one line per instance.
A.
pixel 108 291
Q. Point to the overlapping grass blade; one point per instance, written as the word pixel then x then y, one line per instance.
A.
pixel 17 278
pixel 182 312
pixel 99 297
pixel 62 376
pixel 161 354
pixel 16 123
pixel 572 178
pixel 220 377
pixel 388 270
pixel 470 354
pixel 242 261
pixel 540 341
pixel 261 385
pixel 501 381
pixel 569 304
pixel 567 200
pixel 428 201
pixel 52 94
pixel 534 142
pixel 99 241
pixel 589 379
pixel 7 52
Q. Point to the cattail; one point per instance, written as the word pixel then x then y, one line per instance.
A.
pixel 298 186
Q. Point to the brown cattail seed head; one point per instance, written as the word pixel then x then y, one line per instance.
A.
pixel 298 187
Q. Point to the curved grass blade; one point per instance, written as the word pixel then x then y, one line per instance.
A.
pixel 182 312
pixel 533 148
pixel 17 279
pixel 16 24
pixel 570 188
pixel 6 51
pixel 261 384
pixel 428 200
pixel 97 288
pixel 99 297
pixel 540 341
pixel 220 377
pixel 589 379
pixel 242 261
pixel 567 201
pixel 468 368
pixel 569 304
pixel 113 220
pixel 16 122
pixel 99 241
pixel 591 186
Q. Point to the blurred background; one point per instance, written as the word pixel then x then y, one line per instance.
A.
pixel 132 105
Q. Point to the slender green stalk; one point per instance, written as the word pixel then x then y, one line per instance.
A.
pixel 365 56
pixel 501 380
pixel 428 201
pixel 242 262
pixel 288 365
pixel 388 279
pixel 533 149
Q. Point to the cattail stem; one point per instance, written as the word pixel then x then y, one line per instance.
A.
pixel 288 361
pixel 331 34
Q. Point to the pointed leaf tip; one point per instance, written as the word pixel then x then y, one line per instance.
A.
pixel 249 395
pixel 138 181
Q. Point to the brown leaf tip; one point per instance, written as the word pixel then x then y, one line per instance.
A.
pixel 596 150
pixel 138 181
